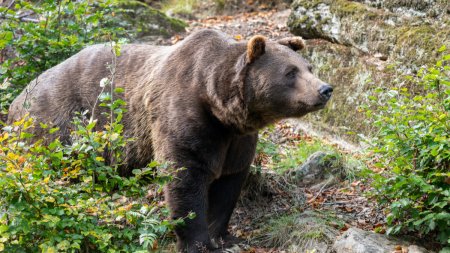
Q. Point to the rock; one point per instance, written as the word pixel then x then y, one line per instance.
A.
pixel 356 240
pixel 319 167
pixel 358 45
pixel 144 23
pixel 418 8
pixel 368 28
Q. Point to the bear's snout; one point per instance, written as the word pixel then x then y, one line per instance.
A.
pixel 325 92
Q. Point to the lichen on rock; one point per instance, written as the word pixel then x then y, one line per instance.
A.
pixel 356 45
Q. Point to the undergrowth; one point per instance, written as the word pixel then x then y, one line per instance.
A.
pixel 57 197
pixel 294 150
pixel 411 152
pixel 300 232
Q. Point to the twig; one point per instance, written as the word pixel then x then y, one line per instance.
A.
pixel 59 20
pixel 320 191
pixel 33 20
pixel 11 4
pixel 25 14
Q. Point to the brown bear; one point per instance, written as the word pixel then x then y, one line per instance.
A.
pixel 198 104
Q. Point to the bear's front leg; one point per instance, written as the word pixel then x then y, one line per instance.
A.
pixel 224 191
pixel 188 192
pixel 223 195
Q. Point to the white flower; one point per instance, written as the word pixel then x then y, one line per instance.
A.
pixel 104 82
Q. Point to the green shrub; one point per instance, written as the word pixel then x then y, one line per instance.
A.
pixel 412 152
pixel 67 198
pixel 36 36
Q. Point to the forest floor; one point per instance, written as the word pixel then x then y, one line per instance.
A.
pixel 266 214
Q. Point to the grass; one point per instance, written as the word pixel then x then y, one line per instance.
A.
pixel 290 155
pixel 300 232
pixel 298 154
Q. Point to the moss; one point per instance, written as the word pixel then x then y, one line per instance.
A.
pixel 419 5
pixel 310 27
pixel 307 27
pixel 297 22
pixel 425 38
pixel 142 20
pixel 308 4
pixel 343 8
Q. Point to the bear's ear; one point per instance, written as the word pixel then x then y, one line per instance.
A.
pixel 256 47
pixel 295 43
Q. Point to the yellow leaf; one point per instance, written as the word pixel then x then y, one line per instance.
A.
pixel 238 37
pixel 51 250
pixel 100 159
pixel 114 136
pixel 12 156
pixel 28 169
pixel 28 123
pixel 4 136
pixel 50 199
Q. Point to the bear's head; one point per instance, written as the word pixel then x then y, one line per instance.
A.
pixel 277 82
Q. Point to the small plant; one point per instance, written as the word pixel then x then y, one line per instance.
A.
pixel 412 152
pixel 300 232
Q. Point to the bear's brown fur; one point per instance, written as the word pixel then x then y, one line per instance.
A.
pixel 197 104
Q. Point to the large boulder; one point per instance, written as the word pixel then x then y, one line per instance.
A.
pixel 373 30
pixel 359 45
pixel 356 240
pixel 144 23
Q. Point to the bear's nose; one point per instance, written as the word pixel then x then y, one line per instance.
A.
pixel 325 91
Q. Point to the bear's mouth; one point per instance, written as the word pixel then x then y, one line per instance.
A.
pixel 320 105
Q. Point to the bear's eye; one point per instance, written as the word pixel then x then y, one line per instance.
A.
pixel 292 73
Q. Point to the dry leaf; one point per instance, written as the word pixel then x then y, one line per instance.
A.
pixel 175 39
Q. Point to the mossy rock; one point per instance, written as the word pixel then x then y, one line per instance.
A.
pixel 369 29
pixel 343 38
pixel 421 8
pixel 140 21
pixel 346 69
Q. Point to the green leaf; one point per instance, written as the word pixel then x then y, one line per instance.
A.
pixel 91 125
pixel 119 90
pixel 43 126
pixel 5 38
pixel 53 130
pixel 432 225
